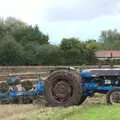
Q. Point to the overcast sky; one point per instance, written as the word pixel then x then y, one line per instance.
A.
pixel 65 18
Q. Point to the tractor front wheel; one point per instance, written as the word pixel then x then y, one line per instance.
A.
pixel 113 96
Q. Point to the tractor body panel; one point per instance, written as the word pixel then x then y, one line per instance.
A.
pixel 101 72
pixel 99 80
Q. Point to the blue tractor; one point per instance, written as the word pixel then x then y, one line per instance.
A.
pixel 68 87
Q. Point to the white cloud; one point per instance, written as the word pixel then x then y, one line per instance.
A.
pixel 81 9
pixel 104 14
pixel 86 29
pixel 31 11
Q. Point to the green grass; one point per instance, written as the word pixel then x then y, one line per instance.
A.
pixel 85 112
pixel 98 113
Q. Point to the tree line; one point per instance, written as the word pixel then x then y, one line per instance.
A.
pixel 22 44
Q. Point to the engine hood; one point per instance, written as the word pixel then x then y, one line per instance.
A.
pixel 89 73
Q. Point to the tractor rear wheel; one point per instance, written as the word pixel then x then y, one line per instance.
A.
pixel 63 88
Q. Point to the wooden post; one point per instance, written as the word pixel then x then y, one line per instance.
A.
pixel 111 60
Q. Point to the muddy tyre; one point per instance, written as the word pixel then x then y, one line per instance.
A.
pixel 62 88
pixel 113 96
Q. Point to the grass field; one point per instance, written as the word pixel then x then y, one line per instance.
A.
pixel 90 112
pixel 92 109
pixel 83 112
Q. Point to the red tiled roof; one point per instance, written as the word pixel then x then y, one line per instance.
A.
pixel 108 53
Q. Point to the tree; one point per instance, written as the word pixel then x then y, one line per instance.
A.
pixel 30 34
pixel 3 29
pixel 93 45
pixel 16 33
pixel 13 24
pixel 73 51
pixel 30 52
pixel 70 43
pixel 22 44
pixel 111 39
pixel 49 55
pixel 22 32
pixel 10 52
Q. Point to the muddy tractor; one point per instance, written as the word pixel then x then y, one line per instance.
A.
pixel 67 87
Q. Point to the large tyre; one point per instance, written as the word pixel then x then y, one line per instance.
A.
pixel 113 96
pixel 63 88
